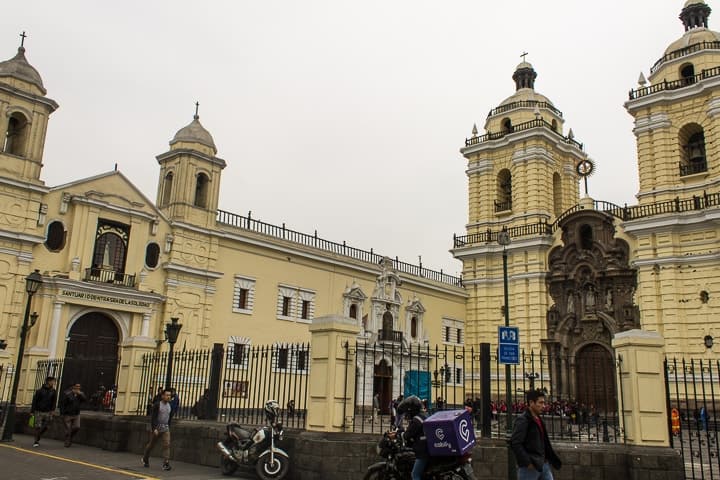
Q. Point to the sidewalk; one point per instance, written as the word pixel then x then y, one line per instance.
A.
pixel 21 461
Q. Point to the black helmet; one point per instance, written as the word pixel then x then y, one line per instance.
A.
pixel 410 406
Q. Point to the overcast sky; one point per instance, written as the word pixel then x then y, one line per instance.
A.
pixel 341 116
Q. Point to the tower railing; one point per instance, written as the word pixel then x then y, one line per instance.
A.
pixel 537 123
pixel 674 84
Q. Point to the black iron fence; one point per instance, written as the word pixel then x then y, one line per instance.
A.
pixel 6 379
pixel 253 375
pixel 582 401
pixel 693 403
pixel 190 379
pixel 233 384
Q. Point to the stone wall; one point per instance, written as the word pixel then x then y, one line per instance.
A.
pixel 318 455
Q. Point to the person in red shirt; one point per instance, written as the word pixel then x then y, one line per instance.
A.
pixel 530 442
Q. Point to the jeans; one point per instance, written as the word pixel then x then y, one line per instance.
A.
pixel 419 468
pixel 525 473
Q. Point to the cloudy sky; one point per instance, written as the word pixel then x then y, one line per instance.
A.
pixel 336 115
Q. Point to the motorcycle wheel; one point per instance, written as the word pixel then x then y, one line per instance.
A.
pixel 276 470
pixel 379 475
pixel 227 466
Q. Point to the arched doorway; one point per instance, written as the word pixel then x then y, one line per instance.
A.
pixel 91 357
pixel 383 384
pixel 595 378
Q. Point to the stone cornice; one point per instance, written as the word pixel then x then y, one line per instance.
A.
pixel 49 102
pixel 174 267
pixel 520 136
pixel 99 289
pixel 473 251
pixel 113 208
pixel 42 189
pixel 22 237
pixel 671 96
pixel 163 157
pixel 511 278
pixel 670 222
pixel 652 122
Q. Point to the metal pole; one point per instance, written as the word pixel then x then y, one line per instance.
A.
pixel 168 373
pixel 7 435
pixel 508 382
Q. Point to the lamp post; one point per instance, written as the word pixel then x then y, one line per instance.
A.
pixel 32 284
pixel 503 239
pixel 172 330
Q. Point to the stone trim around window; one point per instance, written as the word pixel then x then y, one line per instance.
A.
pixel 243 292
pixel 300 304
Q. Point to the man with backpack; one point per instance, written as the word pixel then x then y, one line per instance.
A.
pixel 43 407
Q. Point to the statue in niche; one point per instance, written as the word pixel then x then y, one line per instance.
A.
pixel 590 298
pixel 570 303
pixel 608 299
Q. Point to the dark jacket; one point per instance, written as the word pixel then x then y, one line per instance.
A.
pixel 414 436
pixel 154 414
pixel 531 446
pixel 44 400
pixel 70 403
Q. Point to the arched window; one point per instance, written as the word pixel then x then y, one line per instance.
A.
pixel 353 311
pixel 557 194
pixel 687 73
pixel 17 135
pixel 586 237
pixel 504 191
pixel 692 150
pixel 201 190
pixel 167 189
pixel 413 327
pixel 55 240
pixel 507 125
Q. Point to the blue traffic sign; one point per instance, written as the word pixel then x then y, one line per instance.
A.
pixel 509 345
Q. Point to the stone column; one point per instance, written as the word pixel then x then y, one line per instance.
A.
pixel 55 328
pixel 332 373
pixel 641 385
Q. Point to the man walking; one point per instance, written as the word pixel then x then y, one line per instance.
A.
pixel 530 442
pixel 70 410
pixel 43 407
pixel 160 417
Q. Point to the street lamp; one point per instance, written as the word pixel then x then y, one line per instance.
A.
pixel 32 284
pixel 503 239
pixel 172 330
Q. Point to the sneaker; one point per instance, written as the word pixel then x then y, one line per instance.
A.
pixel 166 466
pixel 145 462
pixel 36 444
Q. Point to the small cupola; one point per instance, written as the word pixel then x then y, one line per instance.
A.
pixel 194 132
pixel 18 68
pixel 524 76
pixel 695 14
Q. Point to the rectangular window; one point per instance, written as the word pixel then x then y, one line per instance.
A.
pixel 459 335
pixel 447 334
pixel 302 356
pixel 286 301
pixel 243 294
pixel 282 358
pixel 453 331
pixel 458 376
pixel 243 298
pixel 238 356
pixel 305 310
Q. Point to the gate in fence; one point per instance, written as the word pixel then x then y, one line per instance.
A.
pixel 693 404
pixel 101 398
pixel 232 385
pixel 582 403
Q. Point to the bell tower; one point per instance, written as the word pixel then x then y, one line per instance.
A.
pixel 189 183
pixel 677 111
pixel 522 175
pixel 24 113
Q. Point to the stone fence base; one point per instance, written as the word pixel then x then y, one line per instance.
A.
pixel 316 455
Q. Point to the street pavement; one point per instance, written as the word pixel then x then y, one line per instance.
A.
pixel 52 461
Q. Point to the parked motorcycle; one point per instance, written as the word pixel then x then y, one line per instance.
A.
pixel 399 460
pixel 256 447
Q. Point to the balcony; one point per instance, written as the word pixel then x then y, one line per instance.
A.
pixel 390 336
pixel 101 275
pixel 693 168
pixel 505 206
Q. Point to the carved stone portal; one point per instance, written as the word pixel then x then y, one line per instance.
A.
pixel 592 286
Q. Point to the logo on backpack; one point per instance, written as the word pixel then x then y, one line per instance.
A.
pixel 439 434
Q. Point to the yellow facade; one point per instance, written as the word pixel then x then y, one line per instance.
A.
pixel 108 255
pixel 666 246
